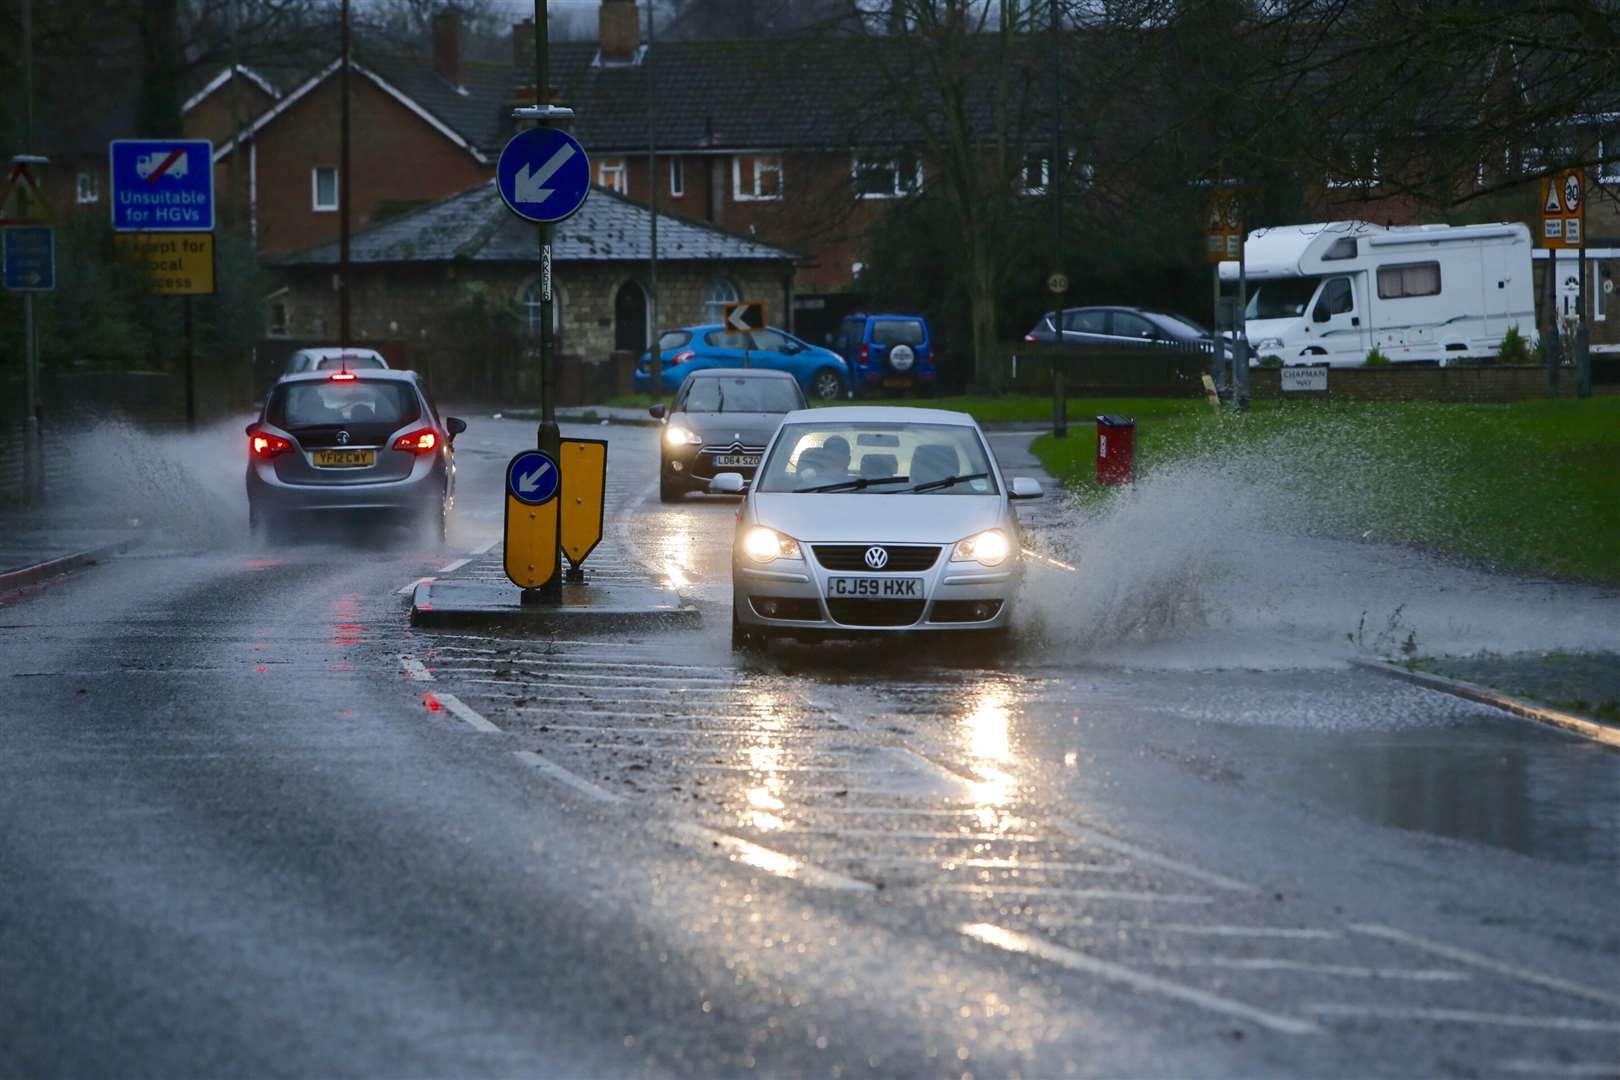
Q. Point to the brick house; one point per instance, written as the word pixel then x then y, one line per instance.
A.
pixel 452 288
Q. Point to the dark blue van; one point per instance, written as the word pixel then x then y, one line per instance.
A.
pixel 887 352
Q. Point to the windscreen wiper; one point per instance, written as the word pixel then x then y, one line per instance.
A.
pixel 949 481
pixel 857 484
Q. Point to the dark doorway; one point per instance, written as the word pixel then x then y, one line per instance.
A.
pixel 630 318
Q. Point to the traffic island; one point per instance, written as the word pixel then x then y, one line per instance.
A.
pixel 583 608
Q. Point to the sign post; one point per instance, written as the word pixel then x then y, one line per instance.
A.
pixel 29 260
pixel 1223 241
pixel 1057 283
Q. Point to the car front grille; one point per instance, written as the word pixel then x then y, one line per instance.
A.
pixel 875 612
pixel 903 559
pixel 733 448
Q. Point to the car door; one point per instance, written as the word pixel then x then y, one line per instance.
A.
pixel 721 348
pixel 1336 322
pixel 1129 329
pixel 770 350
pixel 1085 326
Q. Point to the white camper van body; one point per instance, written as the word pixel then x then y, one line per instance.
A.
pixel 1329 293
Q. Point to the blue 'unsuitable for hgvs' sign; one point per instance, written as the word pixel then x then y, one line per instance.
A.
pixel 162 185
pixel 532 477
pixel 543 175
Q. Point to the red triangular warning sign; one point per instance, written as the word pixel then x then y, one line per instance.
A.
pixel 20 180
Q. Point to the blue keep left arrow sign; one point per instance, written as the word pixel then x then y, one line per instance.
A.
pixel 544 175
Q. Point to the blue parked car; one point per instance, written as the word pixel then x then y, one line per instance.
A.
pixel 821 373
pixel 888 352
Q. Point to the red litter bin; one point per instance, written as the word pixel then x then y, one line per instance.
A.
pixel 1116 450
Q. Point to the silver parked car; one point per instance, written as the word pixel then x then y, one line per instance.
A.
pixel 865 519
pixel 350 443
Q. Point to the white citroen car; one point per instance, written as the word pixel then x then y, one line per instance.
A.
pixel 874 519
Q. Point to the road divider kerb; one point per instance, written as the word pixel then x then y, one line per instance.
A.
pixel 1574 724
pixel 23 576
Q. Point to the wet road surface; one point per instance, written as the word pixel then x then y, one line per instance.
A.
pixel 256 824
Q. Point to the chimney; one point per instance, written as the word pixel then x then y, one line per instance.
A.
pixel 447 44
pixel 523 44
pixel 620 37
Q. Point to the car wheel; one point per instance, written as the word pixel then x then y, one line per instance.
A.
pixel 826 385
pixel 669 490
pixel 743 639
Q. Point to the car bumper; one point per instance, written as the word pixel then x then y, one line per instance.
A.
pixel 791 595
pixel 695 467
pixel 879 377
pixel 425 487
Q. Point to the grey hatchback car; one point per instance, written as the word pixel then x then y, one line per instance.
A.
pixel 350 443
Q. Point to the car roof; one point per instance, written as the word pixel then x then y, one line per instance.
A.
pixel 879 414
pixel 741 373
pixel 324 352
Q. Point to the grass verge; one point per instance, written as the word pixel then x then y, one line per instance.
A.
pixel 1531 486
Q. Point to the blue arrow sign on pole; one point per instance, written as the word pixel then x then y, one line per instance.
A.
pixel 162 185
pixel 532 477
pixel 30 258
pixel 543 175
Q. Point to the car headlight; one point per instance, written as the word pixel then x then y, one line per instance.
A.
pixel 988 548
pixel 679 436
pixel 767 545
pixel 1269 343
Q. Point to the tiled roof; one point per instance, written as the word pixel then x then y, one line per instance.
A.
pixel 477 226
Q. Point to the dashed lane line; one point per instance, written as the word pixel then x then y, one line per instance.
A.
pixel 1029 945
pixel 1308 967
pixel 466 715
pixel 1464 1016
pixel 945 862
pixel 1479 960
pixel 1164 862
pixel 1056 922
pixel 568 779
pixel 1133 896
pixel 415 669
pixel 767 859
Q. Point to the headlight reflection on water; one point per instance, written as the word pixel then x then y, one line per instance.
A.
pixel 986 737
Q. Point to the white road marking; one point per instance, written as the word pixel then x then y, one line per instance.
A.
pixel 1014 942
pixel 902 834
pixel 1048 560
pixel 948 863
pixel 1464 1016
pixel 1464 956
pixel 678 680
pixel 764 858
pixel 485 549
pixel 466 715
pixel 1164 862
pixel 450 568
pixel 566 778
pixel 644 750
pixel 1196 929
pixel 1559 1068
pixel 1067 894
pixel 1348 971
pixel 409 588
pixel 415 669
pixel 640 729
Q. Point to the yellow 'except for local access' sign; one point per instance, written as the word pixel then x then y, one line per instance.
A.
pixel 177 264
pixel 584 496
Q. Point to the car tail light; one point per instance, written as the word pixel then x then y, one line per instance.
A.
pixel 1031 336
pixel 265 445
pixel 343 376
pixel 682 357
pixel 420 441
pixel 866 354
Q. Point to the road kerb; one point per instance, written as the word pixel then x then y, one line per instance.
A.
pixel 1584 726
pixel 23 576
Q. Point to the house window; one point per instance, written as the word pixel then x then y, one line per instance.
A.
pixel 720 292
pixel 887 177
pixel 756 178
pixel 88 187
pixel 1360 166
pixel 611 174
pixel 531 308
pixel 1034 174
pixel 677 177
pixel 324 187
pixel 276 315
pixel 1408 279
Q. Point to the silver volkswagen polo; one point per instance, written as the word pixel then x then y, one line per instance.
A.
pixel 874 519
pixel 350 443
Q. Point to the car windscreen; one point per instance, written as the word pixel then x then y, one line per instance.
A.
pixel 320 404
pixel 1281 298
pixel 877 457
pixel 742 394
pixel 353 363
pixel 897 332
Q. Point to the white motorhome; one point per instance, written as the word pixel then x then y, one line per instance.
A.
pixel 1330 293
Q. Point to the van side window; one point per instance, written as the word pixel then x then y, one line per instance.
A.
pixel 1408 279
pixel 1336 299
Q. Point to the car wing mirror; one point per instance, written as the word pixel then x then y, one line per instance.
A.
pixel 728 483
pixel 658 412
pixel 1025 487
pixel 455 425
